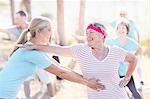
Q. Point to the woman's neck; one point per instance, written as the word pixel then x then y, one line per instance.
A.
pixel 123 40
pixel 100 52
pixel 98 49
pixel 39 42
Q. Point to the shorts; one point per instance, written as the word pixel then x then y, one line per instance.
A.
pixel 44 76
pixel 32 77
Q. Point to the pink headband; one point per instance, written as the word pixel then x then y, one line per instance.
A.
pixel 98 29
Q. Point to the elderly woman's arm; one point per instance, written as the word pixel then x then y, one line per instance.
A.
pixel 131 59
pixel 54 49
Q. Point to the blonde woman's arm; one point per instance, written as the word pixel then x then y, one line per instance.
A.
pixel 70 75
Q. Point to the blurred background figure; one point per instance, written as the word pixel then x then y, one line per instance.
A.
pixel 128 44
pixel 14 31
pixel 134 32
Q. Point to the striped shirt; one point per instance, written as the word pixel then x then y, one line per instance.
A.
pixel 105 70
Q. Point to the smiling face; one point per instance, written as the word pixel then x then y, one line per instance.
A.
pixel 94 38
pixel 95 35
pixel 122 30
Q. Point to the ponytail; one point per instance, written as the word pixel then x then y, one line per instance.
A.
pixel 21 40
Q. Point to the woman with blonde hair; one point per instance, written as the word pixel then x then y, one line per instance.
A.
pixel 23 63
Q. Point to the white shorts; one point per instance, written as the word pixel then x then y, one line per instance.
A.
pixel 32 77
pixel 44 76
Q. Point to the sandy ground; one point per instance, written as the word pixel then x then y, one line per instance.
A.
pixel 72 90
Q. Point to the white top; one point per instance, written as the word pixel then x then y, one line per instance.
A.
pixel 105 70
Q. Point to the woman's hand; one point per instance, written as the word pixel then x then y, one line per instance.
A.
pixel 124 81
pixel 95 84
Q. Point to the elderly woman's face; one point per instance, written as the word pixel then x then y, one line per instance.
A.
pixel 93 37
pixel 122 30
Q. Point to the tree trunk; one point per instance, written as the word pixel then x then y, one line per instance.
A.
pixel 81 18
pixel 60 21
pixel 12 8
pixel 26 5
pixel 79 36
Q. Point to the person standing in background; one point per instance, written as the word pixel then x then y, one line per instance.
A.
pixel 21 23
pixel 128 44
pixel 134 32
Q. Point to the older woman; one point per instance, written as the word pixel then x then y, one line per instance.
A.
pixel 128 44
pixel 97 61
pixel 23 63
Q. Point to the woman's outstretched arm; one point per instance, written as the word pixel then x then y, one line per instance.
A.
pixel 54 49
pixel 74 77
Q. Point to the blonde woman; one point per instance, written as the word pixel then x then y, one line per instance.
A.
pixel 23 63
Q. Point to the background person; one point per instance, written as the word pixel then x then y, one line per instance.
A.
pixel 128 44
pixel 21 23
pixel 134 32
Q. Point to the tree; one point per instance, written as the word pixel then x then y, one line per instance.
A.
pixel 79 36
pixel 26 5
pixel 60 21
pixel 12 8
pixel 81 17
